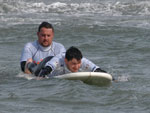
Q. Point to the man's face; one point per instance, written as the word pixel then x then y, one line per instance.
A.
pixel 73 65
pixel 45 36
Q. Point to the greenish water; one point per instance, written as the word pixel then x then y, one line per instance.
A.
pixel 113 34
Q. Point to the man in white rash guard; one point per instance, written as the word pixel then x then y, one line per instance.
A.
pixel 36 54
pixel 71 61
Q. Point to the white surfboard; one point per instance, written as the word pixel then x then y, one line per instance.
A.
pixel 94 78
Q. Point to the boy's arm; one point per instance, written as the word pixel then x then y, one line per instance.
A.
pixel 90 66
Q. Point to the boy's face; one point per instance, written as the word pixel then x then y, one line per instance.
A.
pixel 73 65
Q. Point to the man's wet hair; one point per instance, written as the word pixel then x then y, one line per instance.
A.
pixel 73 52
pixel 46 25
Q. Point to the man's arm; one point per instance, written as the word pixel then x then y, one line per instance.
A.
pixel 25 55
pixel 27 66
pixel 22 64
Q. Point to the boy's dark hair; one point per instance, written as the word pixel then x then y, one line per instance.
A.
pixel 73 52
pixel 46 25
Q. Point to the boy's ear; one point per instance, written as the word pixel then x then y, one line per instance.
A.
pixel 66 60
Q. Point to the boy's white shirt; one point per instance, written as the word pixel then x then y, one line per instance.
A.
pixel 59 67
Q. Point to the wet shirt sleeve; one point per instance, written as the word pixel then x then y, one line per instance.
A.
pixel 88 65
pixel 26 53
pixel 55 62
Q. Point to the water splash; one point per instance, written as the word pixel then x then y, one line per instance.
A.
pixel 122 78
pixel 26 76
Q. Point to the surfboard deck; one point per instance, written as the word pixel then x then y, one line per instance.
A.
pixel 92 78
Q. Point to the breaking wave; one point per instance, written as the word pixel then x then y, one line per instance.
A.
pixel 109 8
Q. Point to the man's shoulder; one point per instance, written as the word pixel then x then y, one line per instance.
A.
pixel 56 44
pixel 31 44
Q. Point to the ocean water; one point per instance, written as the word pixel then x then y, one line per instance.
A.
pixel 114 34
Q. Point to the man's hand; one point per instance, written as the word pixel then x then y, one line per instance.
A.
pixel 27 71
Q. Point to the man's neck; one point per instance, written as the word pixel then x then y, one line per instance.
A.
pixel 44 48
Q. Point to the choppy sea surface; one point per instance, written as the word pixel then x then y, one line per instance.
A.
pixel 114 34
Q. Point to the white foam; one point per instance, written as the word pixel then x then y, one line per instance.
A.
pixel 26 76
pixel 58 5
pixel 30 76
pixel 123 78
pixel 108 8
pixel 128 13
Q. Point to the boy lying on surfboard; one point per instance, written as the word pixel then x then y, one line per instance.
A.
pixel 71 61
